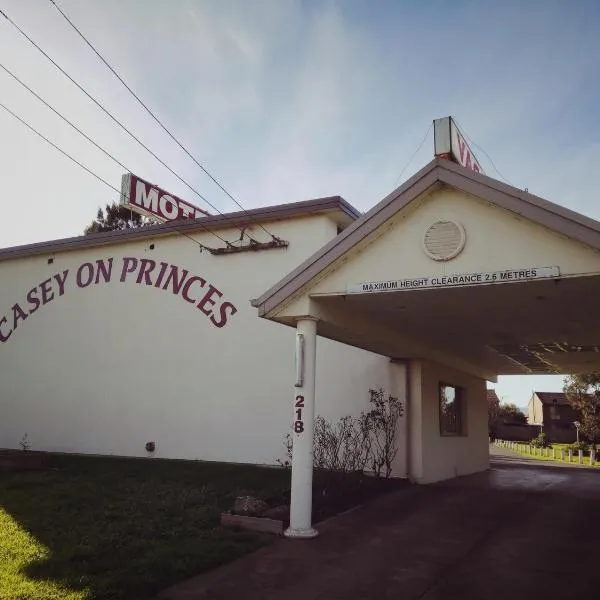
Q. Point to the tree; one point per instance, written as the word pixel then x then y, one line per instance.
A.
pixel 493 412
pixel 499 414
pixel 583 393
pixel 511 413
pixel 117 217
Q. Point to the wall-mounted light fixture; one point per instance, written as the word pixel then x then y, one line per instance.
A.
pixel 299 359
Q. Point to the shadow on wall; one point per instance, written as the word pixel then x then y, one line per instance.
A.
pixel 122 528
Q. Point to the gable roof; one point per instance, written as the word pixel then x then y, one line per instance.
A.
pixel 439 171
pixel 553 398
pixel 209 223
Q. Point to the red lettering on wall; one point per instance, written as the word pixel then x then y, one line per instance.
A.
pixel 163 267
pixel 18 314
pixel 225 308
pixel 85 275
pixel 206 302
pixel 4 336
pixel 60 279
pixel 33 300
pixel 47 293
pixel 103 270
pixel 129 266
pixel 177 280
pixel 188 284
pixel 146 267
pixel 172 278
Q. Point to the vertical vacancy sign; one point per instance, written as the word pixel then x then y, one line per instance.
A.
pixel 148 199
pixel 450 143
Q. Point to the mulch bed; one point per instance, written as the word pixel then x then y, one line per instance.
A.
pixel 334 493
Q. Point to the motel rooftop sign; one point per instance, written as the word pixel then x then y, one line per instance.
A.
pixel 445 281
pixel 449 143
pixel 147 199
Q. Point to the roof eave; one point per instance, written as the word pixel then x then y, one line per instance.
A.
pixel 439 170
pixel 424 177
pixel 209 223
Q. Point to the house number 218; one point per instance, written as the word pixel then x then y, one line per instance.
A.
pixel 299 423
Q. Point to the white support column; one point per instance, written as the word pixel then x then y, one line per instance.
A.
pixel 303 426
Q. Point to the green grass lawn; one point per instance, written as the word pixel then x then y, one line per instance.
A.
pixel 101 527
pixel 574 460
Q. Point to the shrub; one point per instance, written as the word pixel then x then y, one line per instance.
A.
pixel 541 441
pixel 577 446
pixel 354 443
pixel 381 421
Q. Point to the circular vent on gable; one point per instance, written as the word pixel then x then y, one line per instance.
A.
pixel 444 240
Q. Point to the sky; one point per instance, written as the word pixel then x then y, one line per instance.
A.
pixel 294 99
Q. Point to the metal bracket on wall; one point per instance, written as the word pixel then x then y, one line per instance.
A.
pixel 253 246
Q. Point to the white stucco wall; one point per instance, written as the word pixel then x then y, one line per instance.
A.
pixel 517 243
pixel 107 367
pixel 535 411
pixel 435 457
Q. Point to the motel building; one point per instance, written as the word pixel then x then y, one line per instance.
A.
pixel 167 334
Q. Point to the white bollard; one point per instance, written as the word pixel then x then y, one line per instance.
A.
pixel 592 455
pixel 562 454
pixel 570 454
pixel 580 456
pixel 554 453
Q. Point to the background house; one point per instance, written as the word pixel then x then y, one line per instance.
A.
pixel 554 414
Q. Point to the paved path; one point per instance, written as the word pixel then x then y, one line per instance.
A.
pixel 519 531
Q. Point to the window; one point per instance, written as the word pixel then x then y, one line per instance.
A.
pixel 451 410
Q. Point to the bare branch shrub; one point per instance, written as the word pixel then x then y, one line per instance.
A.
pixel 354 444
pixel 383 418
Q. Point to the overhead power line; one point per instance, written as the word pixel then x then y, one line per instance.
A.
pixel 414 154
pixel 102 180
pixel 151 113
pixel 109 114
pixel 87 137
pixel 466 135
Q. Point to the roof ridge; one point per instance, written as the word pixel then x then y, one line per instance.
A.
pixel 439 170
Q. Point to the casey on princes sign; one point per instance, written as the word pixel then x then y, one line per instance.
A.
pixel 195 290
pixel 147 199
pixel 440 281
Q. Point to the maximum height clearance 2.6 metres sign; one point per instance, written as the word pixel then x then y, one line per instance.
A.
pixel 445 281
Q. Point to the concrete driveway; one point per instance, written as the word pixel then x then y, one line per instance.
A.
pixel 521 530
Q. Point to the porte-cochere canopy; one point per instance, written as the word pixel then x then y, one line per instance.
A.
pixel 458 268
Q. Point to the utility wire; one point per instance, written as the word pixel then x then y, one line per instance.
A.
pixel 413 156
pixel 140 101
pixel 87 137
pixel 461 129
pixel 80 164
pixel 97 103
